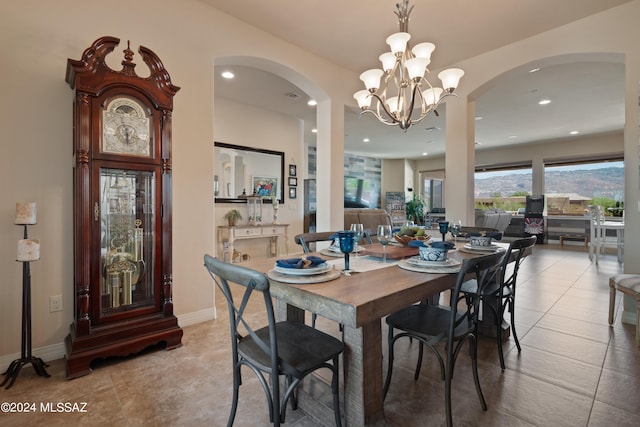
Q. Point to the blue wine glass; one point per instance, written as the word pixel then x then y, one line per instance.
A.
pixel 346 238
pixel 443 226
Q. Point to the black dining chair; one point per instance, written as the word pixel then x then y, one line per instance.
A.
pixel 454 325
pixel 500 294
pixel 306 239
pixel 285 348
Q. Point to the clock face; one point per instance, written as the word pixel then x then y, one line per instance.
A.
pixel 126 128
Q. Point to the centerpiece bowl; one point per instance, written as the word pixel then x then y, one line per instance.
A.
pixel 406 235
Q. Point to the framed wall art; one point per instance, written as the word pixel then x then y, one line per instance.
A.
pixel 293 170
pixel 265 186
pixel 293 193
pixel 293 182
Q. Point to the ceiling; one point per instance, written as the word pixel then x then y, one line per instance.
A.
pixel 510 111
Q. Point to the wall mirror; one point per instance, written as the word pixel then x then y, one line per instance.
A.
pixel 240 171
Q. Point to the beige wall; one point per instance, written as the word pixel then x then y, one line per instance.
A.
pixel 37 37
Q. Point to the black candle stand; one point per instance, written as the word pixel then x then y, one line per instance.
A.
pixel 25 356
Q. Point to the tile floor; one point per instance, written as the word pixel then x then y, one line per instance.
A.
pixel 574 370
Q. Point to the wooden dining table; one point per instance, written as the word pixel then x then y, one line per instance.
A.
pixel 359 302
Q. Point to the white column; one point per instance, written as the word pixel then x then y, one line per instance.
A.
pixel 460 159
pixel 537 176
pixel 330 166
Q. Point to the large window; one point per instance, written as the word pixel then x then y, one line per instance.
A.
pixel 570 187
pixel 433 191
pixel 502 187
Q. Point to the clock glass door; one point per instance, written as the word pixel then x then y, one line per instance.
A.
pixel 127 244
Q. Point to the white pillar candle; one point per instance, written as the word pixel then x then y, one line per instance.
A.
pixel 28 250
pixel 25 213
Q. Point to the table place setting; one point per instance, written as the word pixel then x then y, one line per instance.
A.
pixel 438 267
pixel 432 258
pixel 309 269
pixel 484 250
pixel 482 244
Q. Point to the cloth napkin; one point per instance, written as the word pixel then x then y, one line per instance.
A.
pixel 443 245
pixel 300 262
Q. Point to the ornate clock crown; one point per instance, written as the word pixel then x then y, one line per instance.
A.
pixel 128 64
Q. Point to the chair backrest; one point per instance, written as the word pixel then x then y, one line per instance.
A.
pixel 240 324
pixel 305 239
pixel 485 270
pixel 511 263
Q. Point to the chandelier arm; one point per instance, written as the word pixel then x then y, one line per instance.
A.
pixel 381 119
pixel 436 105
pixel 384 107
pixel 413 100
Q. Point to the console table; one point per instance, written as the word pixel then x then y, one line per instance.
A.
pixel 229 235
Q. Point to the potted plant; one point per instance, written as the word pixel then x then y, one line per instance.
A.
pixel 232 216
pixel 415 210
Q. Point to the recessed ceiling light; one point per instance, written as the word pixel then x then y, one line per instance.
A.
pixel 365 140
pixel 227 74
pixel 545 102
pixel 513 136
pixel 314 130
pixel 574 132
pixel 533 70
pixel 424 154
pixel 478 117
pixel 312 103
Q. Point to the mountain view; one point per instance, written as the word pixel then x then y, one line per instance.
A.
pixel 605 182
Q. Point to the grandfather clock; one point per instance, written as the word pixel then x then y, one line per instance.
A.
pixel 122 207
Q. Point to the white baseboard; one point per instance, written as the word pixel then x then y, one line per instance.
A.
pixel 57 351
pixel 197 317
pixel 47 353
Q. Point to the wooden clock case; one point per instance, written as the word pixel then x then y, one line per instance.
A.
pixel 122 282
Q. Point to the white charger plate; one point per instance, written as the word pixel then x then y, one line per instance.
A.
pixel 416 260
pixel 318 269
pixel 403 264
pixel 473 250
pixel 304 280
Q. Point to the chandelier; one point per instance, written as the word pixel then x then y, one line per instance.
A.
pixel 400 91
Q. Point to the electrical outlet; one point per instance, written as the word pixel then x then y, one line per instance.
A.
pixel 55 303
